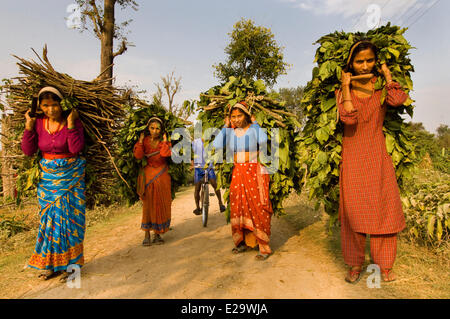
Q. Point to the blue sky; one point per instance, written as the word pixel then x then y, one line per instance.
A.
pixel 188 37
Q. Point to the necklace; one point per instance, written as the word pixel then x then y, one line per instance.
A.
pixel 47 124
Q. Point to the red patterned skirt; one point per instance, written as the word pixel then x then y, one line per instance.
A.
pixel 251 209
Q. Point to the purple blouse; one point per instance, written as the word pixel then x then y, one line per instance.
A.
pixel 64 141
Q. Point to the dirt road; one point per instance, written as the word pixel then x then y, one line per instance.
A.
pixel 196 262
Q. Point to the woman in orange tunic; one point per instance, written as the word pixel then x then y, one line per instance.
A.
pixel 156 194
pixel 369 195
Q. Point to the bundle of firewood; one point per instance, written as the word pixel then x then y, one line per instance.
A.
pixel 101 108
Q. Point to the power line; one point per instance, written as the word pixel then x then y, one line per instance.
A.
pixel 423 13
pixel 416 12
pixel 410 9
pixel 385 4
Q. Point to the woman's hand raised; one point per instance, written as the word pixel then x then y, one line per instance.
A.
pixel 71 119
pixel 346 78
pixel 386 73
pixel 29 121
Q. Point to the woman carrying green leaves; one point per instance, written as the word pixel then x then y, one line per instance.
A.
pixel 369 195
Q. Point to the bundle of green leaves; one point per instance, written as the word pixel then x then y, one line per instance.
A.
pixel 321 143
pixel 136 123
pixel 270 114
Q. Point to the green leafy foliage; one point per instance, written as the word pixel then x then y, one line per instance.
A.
pixel 252 53
pixel 321 144
pixel 268 110
pixel 293 98
pixel 427 208
pixel 135 124
pixel 434 146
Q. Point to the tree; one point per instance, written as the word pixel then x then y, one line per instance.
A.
pixel 252 53
pixel 424 140
pixel 443 136
pixel 293 98
pixel 102 21
pixel 427 143
pixel 169 87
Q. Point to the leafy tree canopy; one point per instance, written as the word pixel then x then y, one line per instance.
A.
pixel 252 53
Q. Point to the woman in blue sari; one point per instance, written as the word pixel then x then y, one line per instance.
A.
pixel 61 188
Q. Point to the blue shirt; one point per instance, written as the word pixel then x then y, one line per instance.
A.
pixel 199 154
pixel 248 142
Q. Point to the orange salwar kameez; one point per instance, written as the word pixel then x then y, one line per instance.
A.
pixel 369 195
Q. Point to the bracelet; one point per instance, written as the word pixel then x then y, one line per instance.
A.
pixel 348 100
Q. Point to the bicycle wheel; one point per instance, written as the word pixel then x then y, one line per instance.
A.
pixel 205 204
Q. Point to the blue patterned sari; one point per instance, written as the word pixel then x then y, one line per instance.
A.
pixel 61 194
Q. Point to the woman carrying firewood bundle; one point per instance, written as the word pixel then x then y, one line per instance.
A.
pixel 154 184
pixel 250 206
pixel 369 194
pixel 61 188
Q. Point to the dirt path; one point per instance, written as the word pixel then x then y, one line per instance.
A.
pixel 196 262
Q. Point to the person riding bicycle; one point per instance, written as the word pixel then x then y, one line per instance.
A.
pixel 199 173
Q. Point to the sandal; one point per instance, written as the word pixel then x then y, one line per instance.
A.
pixel 240 249
pixel 388 275
pixel 64 276
pixel 260 256
pixel 222 208
pixel 47 274
pixel 158 240
pixel 197 211
pixel 353 275
pixel 146 242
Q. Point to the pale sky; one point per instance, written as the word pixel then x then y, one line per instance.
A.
pixel 188 37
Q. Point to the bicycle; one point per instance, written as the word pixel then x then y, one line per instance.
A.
pixel 204 200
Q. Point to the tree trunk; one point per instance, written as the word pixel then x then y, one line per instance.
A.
pixel 107 58
pixel 7 174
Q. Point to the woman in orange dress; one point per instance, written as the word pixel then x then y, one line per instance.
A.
pixel 156 193
pixel 250 206
pixel 369 195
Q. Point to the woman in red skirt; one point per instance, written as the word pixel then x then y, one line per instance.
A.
pixel 369 195
pixel 155 193
pixel 250 206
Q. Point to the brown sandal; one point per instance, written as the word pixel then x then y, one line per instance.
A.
pixel 158 240
pixel 240 249
pixel 260 256
pixel 47 274
pixel 146 242
pixel 353 275
pixel 64 276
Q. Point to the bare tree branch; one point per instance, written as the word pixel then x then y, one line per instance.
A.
pixel 171 88
pixel 122 49
pixel 95 16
